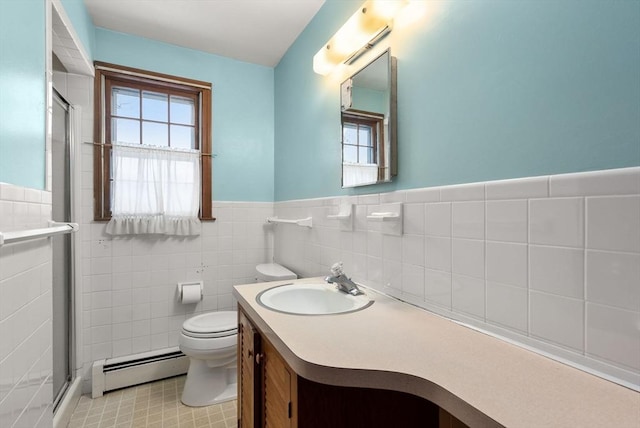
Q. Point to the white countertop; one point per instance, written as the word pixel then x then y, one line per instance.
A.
pixel 481 380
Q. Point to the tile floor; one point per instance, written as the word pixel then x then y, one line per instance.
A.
pixel 153 405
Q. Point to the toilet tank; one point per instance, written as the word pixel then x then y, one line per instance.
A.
pixel 268 272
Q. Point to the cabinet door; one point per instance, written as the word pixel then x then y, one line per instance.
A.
pixel 248 374
pixel 278 384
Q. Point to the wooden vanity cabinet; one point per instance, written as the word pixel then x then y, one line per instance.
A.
pixel 279 389
pixel 249 388
pixel 266 384
pixel 272 395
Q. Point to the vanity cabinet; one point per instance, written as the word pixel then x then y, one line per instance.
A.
pixel 272 395
pixel 249 391
pixel 278 384
pixel 266 384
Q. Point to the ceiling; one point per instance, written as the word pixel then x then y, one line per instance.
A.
pixel 255 31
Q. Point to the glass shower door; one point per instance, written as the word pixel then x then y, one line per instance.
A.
pixel 62 261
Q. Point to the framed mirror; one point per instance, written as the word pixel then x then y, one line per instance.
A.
pixel 369 132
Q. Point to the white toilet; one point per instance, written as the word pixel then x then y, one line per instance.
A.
pixel 268 272
pixel 210 342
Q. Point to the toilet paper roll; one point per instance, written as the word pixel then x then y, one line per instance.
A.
pixel 190 292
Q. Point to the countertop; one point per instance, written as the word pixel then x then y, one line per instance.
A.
pixel 481 380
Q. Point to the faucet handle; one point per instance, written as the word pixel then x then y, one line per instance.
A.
pixel 336 269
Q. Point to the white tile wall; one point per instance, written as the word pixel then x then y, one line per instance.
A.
pixel 129 284
pixel 613 223
pixel 557 270
pixel 552 262
pixel 26 390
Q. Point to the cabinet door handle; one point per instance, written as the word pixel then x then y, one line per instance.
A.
pixel 259 358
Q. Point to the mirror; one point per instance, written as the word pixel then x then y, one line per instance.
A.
pixel 369 143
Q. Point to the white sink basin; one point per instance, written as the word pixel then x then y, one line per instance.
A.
pixel 311 299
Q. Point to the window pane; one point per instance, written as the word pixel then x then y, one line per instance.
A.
pixel 125 131
pixel 125 102
pixel 364 135
pixel 182 137
pixel 350 154
pixel 349 134
pixel 366 155
pixel 182 110
pixel 155 134
pixel 155 106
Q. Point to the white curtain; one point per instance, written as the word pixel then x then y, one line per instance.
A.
pixel 154 191
pixel 356 174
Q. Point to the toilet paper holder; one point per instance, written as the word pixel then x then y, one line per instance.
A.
pixel 190 292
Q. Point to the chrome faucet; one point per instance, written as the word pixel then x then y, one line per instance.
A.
pixel 343 283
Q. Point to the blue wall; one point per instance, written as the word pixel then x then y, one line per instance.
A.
pixel 82 23
pixel 22 93
pixel 486 90
pixel 243 108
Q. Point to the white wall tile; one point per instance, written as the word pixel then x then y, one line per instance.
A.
pixel 518 188
pixel 557 270
pixel 413 217
pixel 558 221
pixel 613 223
pixel 467 257
pixel 374 270
pixel 392 247
pixel 392 274
pixel 557 319
pixel 606 182
pixel 391 197
pixel 463 192
pixel 507 221
pixel 507 263
pixel 413 247
pixel 413 280
pixel 438 219
pixel 437 287
pixel 613 279
pixel 507 306
pixel 374 244
pixel 468 295
pixel 612 334
pixel 438 253
pixel 423 195
pixel 100 300
pixel 534 266
pixel 467 219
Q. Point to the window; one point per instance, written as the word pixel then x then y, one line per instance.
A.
pixel 358 140
pixel 362 148
pixel 152 153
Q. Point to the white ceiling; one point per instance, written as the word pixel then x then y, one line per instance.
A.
pixel 256 31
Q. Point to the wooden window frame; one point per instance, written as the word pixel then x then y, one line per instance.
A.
pixel 376 122
pixel 105 75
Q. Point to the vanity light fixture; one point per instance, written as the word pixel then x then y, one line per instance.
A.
pixel 371 22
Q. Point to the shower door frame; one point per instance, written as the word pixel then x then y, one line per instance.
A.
pixel 69 174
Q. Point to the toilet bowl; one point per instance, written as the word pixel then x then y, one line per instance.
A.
pixel 210 342
pixel 268 272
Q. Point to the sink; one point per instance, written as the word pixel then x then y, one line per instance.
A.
pixel 311 299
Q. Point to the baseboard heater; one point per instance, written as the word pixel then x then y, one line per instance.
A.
pixel 121 372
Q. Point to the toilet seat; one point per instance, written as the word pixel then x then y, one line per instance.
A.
pixel 211 325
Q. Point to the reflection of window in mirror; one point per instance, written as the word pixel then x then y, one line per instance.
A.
pixel 362 147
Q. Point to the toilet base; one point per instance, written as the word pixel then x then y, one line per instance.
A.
pixel 206 386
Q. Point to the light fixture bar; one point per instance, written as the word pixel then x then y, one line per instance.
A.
pixel 368 25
